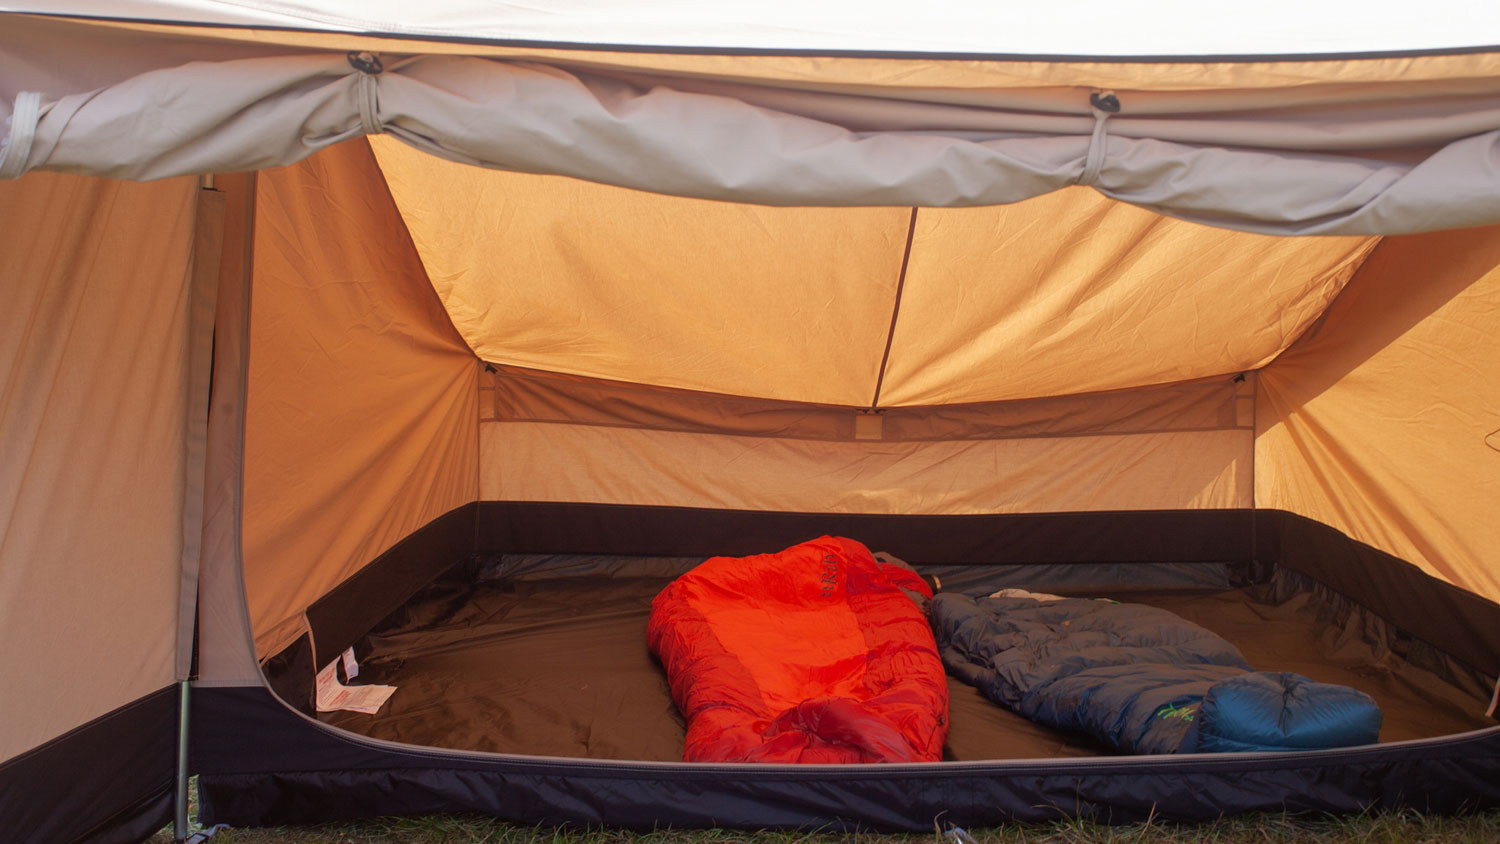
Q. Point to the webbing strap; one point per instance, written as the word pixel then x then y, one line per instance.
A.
pixel 1104 105
pixel 370 67
pixel 15 147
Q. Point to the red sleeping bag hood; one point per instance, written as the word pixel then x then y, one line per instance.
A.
pixel 816 654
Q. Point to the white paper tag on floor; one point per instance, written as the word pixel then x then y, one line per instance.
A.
pixel 351 665
pixel 333 695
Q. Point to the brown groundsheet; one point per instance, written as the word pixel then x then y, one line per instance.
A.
pixel 560 668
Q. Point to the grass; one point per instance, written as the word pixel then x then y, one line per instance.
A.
pixel 1398 827
pixel 1387 827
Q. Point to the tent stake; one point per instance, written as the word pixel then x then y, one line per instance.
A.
pixel 180 819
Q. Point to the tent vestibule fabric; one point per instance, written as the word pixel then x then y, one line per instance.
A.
pixel 331 260
pixel 303 308
pixel 104 293
pixel 1370 394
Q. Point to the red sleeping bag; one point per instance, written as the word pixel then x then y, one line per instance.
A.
pixel 815 654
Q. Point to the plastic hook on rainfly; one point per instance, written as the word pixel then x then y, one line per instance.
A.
pixel 365 62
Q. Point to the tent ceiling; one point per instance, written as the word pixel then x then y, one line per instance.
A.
pixel 1065 293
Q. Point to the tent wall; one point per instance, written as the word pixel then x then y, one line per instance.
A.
pixel 658 449
pixel 96 403
pixel 1384 420
pixel 361 421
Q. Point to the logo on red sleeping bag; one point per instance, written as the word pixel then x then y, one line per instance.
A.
pixel 830 579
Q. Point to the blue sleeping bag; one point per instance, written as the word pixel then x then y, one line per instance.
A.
pixel 1138 678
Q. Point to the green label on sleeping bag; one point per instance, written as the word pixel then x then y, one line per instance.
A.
pixel 1184 713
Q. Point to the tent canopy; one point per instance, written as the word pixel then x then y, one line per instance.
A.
pixel 1078 28
pixel 866 266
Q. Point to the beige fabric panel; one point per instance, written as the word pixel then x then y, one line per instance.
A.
pixel 93 407
pixel 362 413
pixel 1074 293
pixel 1176 470
pixel 226 646
pixel 1064 293
pixel 209 229
pixel 508 394
pixel 562 275
pixel 1384 422
pixel 1296 80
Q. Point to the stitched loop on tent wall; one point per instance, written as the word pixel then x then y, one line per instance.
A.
pixel 1104 104
pixel 22 120
pixel 369 66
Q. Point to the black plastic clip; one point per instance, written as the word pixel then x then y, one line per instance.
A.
pixel 365 62
pixel 1105 102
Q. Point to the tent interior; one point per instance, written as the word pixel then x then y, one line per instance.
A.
pixel 467 422
pixel 528 339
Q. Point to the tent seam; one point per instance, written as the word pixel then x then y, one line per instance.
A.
pixel 1313 327
pixel 773 436
pixel 890 337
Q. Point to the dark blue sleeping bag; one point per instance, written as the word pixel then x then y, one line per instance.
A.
pixel 1138 678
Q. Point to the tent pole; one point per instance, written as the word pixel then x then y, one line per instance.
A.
pixel 180 818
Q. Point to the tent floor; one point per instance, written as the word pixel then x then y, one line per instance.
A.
pixel 560 667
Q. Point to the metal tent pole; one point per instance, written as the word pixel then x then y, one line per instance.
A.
pixel 180 818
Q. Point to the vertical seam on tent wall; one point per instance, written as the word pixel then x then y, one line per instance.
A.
pixel 203 290
pixel 478 451
pixel 885 357
pixel 1312 327
pixel 1310 330
pixel 432 291
pixel 1254 475
pixel 247 300
pixel 412 244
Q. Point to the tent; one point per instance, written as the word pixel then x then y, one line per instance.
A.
pixel 275 354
